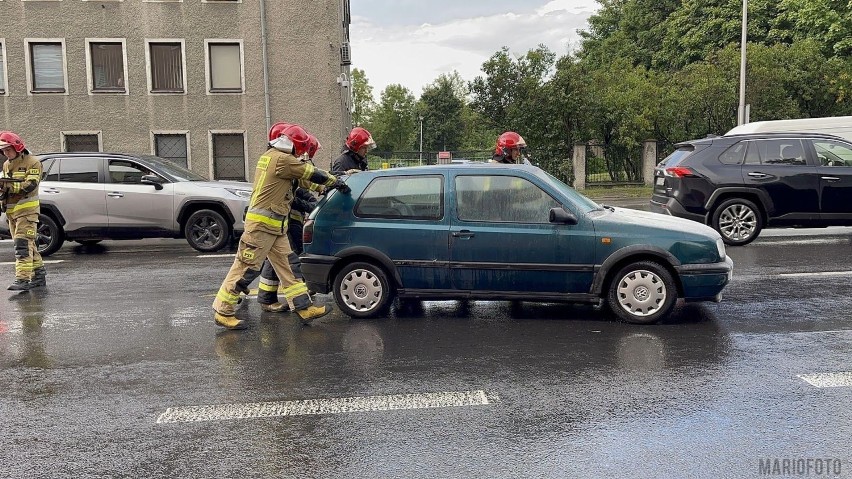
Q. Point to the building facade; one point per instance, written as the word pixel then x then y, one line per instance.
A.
pixel 194 81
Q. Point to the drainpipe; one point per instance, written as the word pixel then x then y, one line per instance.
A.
pixel 265 64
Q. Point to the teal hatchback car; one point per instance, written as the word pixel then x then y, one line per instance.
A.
pixel 501 232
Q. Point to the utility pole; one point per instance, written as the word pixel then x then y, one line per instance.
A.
pixel 742 112
pixel 421 139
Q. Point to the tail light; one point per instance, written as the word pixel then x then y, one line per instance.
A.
pixel 308 232
pixel 680 172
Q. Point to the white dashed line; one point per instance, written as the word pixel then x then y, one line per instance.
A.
pixel 221 412
pixel 230 255
pixel 51 261
pixel 816 273
pixel 828 380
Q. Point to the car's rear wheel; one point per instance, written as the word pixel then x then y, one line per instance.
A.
pixel 362 290
pixel 643 292
pixel 50 236
pixel 738 220
pixel 207 231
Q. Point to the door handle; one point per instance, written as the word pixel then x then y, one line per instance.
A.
pixel 756 174
pixel 51 190
pixel 463 234
pixel 115 194
pixel 831 178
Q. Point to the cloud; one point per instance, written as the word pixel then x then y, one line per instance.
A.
pixel 414 55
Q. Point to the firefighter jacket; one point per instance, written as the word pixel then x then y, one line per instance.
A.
pixel 275 181
pixel 21 199
pixel 349 160
pixel 303 203
pixel 499 158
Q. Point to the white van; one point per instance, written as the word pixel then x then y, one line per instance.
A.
pixel 833 125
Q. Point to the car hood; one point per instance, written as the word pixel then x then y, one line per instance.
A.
pixel 240 185
pixel 645 220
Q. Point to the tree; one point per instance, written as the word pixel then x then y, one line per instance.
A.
pixel 362 98
pixel 441 106
pixel 393 125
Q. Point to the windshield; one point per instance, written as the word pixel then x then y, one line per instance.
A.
pixel 172 171
pixel 573 194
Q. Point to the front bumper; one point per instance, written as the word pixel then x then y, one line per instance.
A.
pixel 705 282
pixel 317 270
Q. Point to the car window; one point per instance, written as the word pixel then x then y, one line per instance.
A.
pixel 411 197
pixel 735 154
pixel 51 173
pixel 502 199
pixel 833 153
pixel 78 170
pixel 781 152
pixel 126 172
pixel 677 156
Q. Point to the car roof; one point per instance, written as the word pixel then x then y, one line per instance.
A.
pixel 757 136
pixel 425 169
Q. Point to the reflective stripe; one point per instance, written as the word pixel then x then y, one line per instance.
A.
pixel 296 290
pixel 309 170
pixel 267 287
pixel 262 165
pixel 227 298
pixel 22 206
pixel 279 224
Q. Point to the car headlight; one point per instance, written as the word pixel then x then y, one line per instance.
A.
pixel 720 245
pixel 240 193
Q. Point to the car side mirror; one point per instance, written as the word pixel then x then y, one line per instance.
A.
pixel 154 180
pixel 562 216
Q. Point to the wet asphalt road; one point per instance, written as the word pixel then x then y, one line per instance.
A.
pixel 124 332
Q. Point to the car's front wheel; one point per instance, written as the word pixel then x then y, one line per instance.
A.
pixel 643 292
pixel 362 290
pixel 207 231
pixel 50 236
pixel 738 220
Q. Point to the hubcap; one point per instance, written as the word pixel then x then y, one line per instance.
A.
pixel 206 231
pixel 361 290
pixel 641 293
pixel 737 222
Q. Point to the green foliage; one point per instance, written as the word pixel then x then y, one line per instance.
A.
pixel 394 124
pixel 362 98
pixel 441 106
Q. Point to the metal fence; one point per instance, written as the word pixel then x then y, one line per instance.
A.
pixel 395 159
pixel 613 164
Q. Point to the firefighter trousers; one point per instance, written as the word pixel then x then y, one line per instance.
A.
pixel 256 246
pixel 270 287
pixel 24 230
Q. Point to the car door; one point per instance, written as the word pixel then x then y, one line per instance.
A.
pixel 501 238
pixel 403 216
pixel 835 174
pixel 779 168
pixel 134 208
pixel 73 185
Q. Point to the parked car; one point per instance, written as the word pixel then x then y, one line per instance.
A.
pixel 502 232
pixel 739 184
pixel 832 125
pixel 89 197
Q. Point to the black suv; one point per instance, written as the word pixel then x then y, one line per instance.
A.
pixel 740 184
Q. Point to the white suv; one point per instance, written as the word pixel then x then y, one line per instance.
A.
pixel 89 197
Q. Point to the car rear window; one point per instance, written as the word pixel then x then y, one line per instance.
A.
pixel 677 156
pixel 413 197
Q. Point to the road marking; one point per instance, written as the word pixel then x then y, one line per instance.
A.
pixel 837 240
pixel 817 273
pixel 50 261
pixel 221 412
pixel 229 255
pixel 828 380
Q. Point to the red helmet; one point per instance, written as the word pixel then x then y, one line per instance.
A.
pixel 276 130
pixel 313 146
pixel 509 140
pixel 7 138
pixel 299 137
pixel 359 137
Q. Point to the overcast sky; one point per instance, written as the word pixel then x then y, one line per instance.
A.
pixel 411 42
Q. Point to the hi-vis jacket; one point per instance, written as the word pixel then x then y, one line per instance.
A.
pixel 22 198
pixel 274 189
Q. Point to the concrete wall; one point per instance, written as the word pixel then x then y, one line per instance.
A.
pixel 304 65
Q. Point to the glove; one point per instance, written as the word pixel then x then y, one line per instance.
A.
pixel 342 187
pixel 353 171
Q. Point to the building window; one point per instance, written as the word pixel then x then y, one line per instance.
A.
pixel 81 142
pixel 47 67
pixel 171 147
pixel 166 67
pixel 225 71
pixel 107 62
pixel 229 161
pixel 2 67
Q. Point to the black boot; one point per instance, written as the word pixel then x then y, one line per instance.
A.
pixel 20 285
pixel 39 278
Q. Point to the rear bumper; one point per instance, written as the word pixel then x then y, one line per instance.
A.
pixel 316 270
pixel 672 207
pixel 705 282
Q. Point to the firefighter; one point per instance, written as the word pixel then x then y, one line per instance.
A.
pixel 265 226
pixel 19 198
pixel 510 148
pixel 354 157
pixel 303 202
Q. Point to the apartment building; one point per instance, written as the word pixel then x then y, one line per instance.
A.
pixel 194 81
